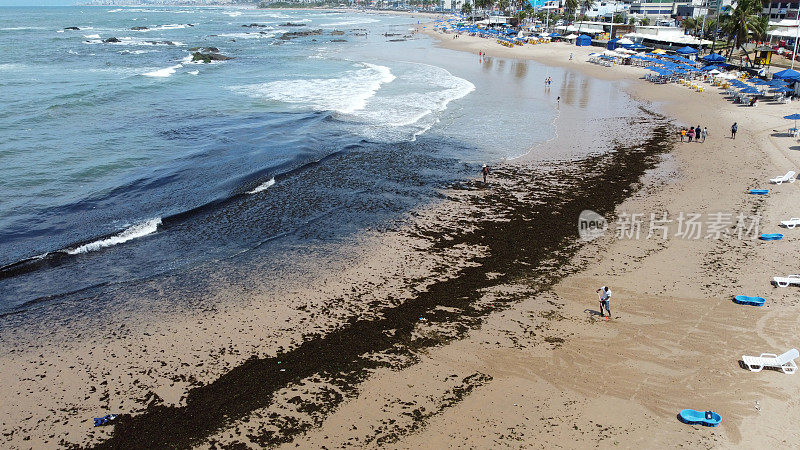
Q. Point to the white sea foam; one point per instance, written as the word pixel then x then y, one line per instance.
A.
pixel 256 35
pixel 91 36
pixel 11 67
pixel 428 89
pixel 344 23
pixel 163 73
pixel 263 186
pixel 194 72
pixel 127 40
pixel 232 13
pixel 132 232
pixel 344 94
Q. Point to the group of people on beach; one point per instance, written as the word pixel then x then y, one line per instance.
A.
pixel 548 81
pixel 694 133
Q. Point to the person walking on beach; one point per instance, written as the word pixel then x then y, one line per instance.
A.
pixel 705 133
pixel 690 134
pixel 734 129
pixel 605 300
pixel 697 134
pixel 683 134
pixel 485 172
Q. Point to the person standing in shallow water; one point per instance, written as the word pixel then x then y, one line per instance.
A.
pixel 485 172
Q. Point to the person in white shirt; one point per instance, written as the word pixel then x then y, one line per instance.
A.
pixel 605 300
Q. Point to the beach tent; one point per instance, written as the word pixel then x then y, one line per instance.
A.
pixel 686 51
pixel 787 74
pixel 612 44
pixel 714 72
pixel 713 58
pixel 624 41
pixel 554 35
pixel 583 41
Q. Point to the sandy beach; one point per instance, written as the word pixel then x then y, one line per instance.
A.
pixel 475 322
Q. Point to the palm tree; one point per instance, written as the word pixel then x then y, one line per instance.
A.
pixel 466 8
pixel 570 7
pixel 744 21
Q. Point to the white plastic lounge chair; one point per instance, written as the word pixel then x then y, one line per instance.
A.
pixel 787 280
pixel 791 223
pixel 788 177
pixel 785 362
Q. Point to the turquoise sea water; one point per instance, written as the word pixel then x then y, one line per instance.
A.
pixel 125 160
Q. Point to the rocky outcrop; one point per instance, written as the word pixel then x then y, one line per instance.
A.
pixel 338 40
pixel 297 34
pixel 111 40
pixel 72 28
pixel 337 33
pixel 255 25
pixel 204 49
pixel 208 57
pixel 139 28
pixel 160 42
pixel 292 24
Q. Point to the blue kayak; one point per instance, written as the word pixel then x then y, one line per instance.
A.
pixel 752 301
pixel 759 191
pixel 705 418
pixel 771 237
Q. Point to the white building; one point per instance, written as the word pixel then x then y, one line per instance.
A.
pixel 664 36
pixel 608 9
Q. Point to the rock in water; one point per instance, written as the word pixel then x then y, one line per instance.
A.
pixel 296 34
pixel 337 33
pixel 291 24
pixel 208 57
pixel 72 28
pixel 111 40
pixel 139 28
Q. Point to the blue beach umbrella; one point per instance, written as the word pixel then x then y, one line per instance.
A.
pixel 686 51
pixel 750 90
pixel 786 74
pixel 794 117
pixel 782 89
pixel 713 58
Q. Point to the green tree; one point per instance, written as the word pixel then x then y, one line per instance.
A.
pixel 644 21
pixel 466 8
pixel 618 18
pixel 632 21
pixel 570 7
pixel 743 22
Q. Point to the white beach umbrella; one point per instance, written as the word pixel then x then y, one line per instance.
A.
pixel 624 41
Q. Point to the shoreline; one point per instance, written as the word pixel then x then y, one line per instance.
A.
pixel 536 349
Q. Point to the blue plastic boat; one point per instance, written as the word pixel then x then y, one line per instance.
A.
pixel 759 191
pixel 705 418
pixel 771 237
pixel 752 301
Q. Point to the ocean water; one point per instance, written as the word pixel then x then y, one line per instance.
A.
pixel 125 161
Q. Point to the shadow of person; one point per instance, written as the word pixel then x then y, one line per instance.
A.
pixel 593 312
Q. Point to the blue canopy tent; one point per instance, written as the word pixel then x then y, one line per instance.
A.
pixel 686 51
pixel 786 74
pixel 636 46
pixel 713 58
pixel 583 41
pixel 612 44
pixel 709 68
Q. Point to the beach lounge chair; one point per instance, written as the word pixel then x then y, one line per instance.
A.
pixel 791 223
pixel 747 300
pixel 788 177
pixel 705 418
pixel 785 362
pixel 787 280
